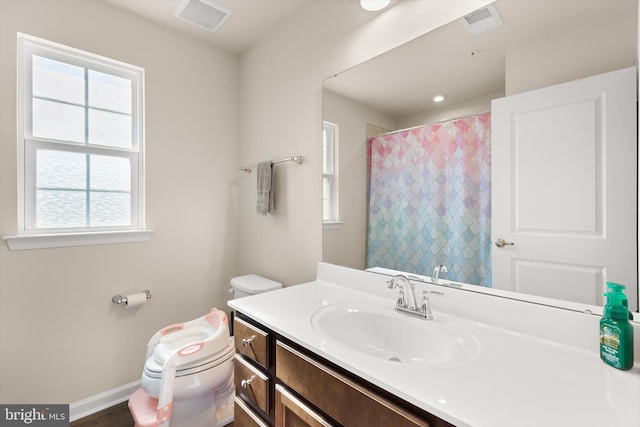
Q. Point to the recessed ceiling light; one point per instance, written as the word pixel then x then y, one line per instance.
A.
pixel 438 98
pixel 373 5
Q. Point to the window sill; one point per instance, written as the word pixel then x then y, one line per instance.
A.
pixel 332 225
pixel 45 241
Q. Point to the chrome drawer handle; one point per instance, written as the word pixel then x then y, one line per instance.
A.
pixel 247 341
pixel 246 383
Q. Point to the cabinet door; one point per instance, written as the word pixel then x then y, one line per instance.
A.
pixel 291 412
pixel 243 416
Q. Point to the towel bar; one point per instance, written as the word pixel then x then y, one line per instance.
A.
pixel 298 159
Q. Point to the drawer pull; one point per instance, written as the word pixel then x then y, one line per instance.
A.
pixel 247 341
pixel 247 383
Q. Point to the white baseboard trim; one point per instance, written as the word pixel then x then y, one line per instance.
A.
pixel 93 404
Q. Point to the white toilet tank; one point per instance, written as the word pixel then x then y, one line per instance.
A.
pixel 251 284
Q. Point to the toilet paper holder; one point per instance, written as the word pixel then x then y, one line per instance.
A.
pixel 119 299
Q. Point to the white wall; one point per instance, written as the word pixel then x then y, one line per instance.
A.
pixel 556 60
pixel 61 337
pixel 449 112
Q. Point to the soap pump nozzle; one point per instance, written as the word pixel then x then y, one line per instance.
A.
pixel 617 305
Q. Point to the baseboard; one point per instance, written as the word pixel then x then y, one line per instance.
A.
pixel 107 399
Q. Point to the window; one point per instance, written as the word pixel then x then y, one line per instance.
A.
pixel 330 213
pixel 80 140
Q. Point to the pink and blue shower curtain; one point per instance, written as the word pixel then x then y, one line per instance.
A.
pixel 430 200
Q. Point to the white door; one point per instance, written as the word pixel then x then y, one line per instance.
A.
pixel 564 192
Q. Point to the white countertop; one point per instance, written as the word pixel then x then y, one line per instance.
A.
pixel 519 378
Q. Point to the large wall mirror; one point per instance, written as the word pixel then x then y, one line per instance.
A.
pixel 497 69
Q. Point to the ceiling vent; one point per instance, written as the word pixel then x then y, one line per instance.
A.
pixel 482 20
pixel 207 14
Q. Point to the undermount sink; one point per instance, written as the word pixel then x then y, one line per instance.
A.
pixel 380 332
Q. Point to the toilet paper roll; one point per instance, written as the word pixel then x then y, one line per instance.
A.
pixel 135 300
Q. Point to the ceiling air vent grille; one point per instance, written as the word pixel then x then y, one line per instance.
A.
pixel 207 14
pixel 482 20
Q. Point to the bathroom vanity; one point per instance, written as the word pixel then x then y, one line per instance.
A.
pixel 296 386
pixel 334 352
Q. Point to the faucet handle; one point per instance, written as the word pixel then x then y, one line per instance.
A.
pixel 425 308
pixel 402 302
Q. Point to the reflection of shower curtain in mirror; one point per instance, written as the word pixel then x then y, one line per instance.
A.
pixel 430 200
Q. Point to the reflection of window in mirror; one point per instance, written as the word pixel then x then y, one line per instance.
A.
pixel 330 210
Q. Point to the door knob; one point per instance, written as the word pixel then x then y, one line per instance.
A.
pixel 501 243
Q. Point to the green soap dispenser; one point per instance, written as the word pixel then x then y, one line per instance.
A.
pixel 616 333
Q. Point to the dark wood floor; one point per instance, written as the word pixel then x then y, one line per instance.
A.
pixel 116 416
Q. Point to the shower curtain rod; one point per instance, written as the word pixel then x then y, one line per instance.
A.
pixel 438 123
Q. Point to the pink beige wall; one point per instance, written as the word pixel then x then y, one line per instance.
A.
pixel 61 337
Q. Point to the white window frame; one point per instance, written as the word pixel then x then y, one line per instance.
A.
pixel 333 178
pixel 28 235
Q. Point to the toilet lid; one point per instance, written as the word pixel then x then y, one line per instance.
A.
pixel 153 369
pixel 254 284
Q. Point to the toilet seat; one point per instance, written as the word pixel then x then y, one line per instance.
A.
pixel 153 368
pixel 188 368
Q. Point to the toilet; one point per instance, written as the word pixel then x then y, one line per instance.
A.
pixel 251 284
pixel 187 380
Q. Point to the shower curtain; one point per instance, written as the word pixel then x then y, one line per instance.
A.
pixel 430 200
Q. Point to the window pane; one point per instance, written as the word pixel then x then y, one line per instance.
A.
pixel 110 129
pixel 58 80
pixel 326 199
pixel 328 144
pixel 110 209
pixel 110 173
pixel 325 154
pixel 61 170
pixel 55 120
pixel 60 209
pixel 110 92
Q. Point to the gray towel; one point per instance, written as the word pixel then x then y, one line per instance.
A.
pixel 264 200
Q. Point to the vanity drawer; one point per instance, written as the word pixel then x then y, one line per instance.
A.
pixel 251 341
pixel 251 384
pixel 337 395
pixel 243 416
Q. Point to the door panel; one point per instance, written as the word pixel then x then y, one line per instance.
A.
pixel 578 283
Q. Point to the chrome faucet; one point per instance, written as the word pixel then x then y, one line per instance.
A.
pixel 436 272
pixel 409 294
pixel 407 303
